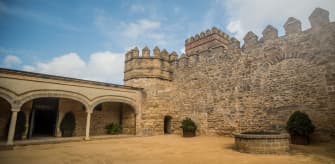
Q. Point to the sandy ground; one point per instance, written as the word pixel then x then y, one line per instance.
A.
pixel 169 149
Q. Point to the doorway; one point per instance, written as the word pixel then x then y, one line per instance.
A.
pixel 43 117
pixel 167 124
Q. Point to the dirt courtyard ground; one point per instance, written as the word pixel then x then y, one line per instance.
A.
pixel 169 149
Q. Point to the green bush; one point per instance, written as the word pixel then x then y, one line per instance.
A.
pixel 113 128
pixel 299 124
pixel 188 125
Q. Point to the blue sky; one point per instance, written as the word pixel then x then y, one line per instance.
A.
pixel 87 39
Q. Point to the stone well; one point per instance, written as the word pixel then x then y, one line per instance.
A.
pixel 262 142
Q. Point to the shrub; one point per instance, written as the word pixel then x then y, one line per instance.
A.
pixel 68 124
pixel 113 128
pixel 299 124
pixel 188 125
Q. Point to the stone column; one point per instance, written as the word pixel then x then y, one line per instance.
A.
pixel 32 123
pixel 11 131
pixel 88 124
pixel 138 126
pixel 27 109
pixel 26 125
pixel 59 120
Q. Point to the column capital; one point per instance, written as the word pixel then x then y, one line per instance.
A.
pixel 15 109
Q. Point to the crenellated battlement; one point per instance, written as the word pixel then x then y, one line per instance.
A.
pixel 208 39
pixel 147 65
pixel 318 19
pixel 156 54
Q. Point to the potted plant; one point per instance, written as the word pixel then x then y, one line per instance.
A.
pixel 300 126
pixel 113 128
pixel 68 125
pixel 189 127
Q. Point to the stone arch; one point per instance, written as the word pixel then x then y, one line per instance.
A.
pixel 27 97
pixel 8 95
pixel 116 110
pixel 53 93
pixel 113 98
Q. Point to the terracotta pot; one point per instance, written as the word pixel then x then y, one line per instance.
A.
pixel 299 140
pixel 188 133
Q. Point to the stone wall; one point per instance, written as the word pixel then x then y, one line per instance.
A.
pixel 128 120
pixel 205 90
pixel 113 112
pixel 226 89
pixel 110 113
pixel 157 103
pixel 68 105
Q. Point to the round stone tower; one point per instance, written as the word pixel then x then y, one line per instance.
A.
pixel 146 66
pixel 154 74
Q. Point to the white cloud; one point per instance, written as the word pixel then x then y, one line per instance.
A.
pixel 182 50
pixel 11 60
pixel 235 27
pixel 140 28
pixel 255 15
pixel 101 66
pixel 106 66
pixel 145 31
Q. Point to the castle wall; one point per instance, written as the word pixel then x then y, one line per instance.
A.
pixel 257 89
pixel 289 73
pixel 205 90
pixel 227 89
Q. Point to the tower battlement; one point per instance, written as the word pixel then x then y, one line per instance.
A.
pixel 145 65
pixel 208 39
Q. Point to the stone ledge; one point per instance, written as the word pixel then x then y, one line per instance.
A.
pixel 261 136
